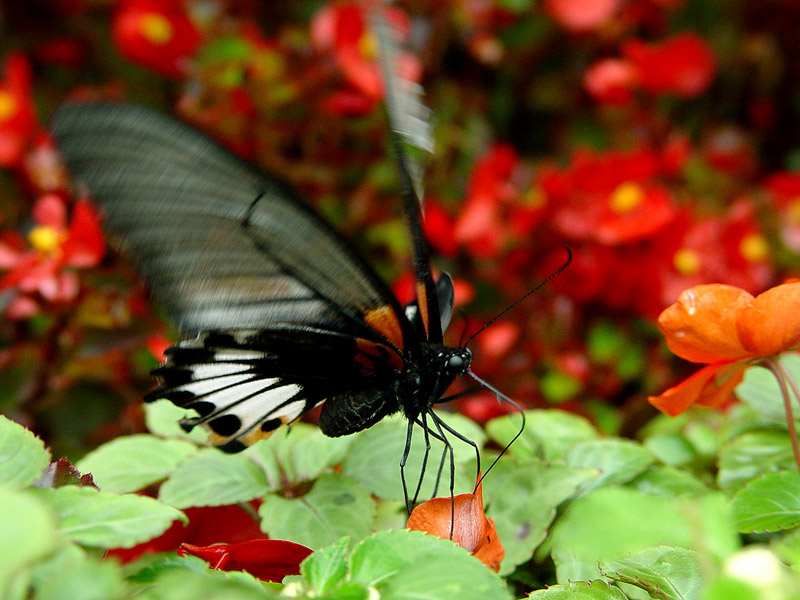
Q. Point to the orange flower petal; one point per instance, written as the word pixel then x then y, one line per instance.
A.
pixel 710 386
pixel 472 530
pixel 701 326
pixel 491 551
pixel 771 323
pixel 719 390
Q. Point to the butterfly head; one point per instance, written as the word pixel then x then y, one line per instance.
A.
pixel 457 361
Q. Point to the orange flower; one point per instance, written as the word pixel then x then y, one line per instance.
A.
pixel 472 530
pixel 729 330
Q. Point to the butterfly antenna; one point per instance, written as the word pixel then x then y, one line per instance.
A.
pixel 464 329
pixel 502 397
pixel 523 298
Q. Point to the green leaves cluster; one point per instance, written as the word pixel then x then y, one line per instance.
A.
pixel 674 516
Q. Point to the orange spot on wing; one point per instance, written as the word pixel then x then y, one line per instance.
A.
pixel 384 321
pixel 422 304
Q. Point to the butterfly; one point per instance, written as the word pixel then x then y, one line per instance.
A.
pixel 278 313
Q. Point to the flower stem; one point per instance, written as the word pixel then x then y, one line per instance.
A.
pixel 782 376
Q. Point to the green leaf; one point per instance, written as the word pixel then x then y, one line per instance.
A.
pixel 671 448
pixel 301 453
pixel 161 418
pixel 664 572
pixel 212 478
pixel 85 580
pixel 522 496
pixel 22 455
pixel 617 460
pixel 751 454
pixel 28 532
pixel 335 507
pixel 579 590
pixel 375 451
pixel 548 434
pixel 725 587
pixel 409 564
pixel 759 389
pixel 207 585
pixel 105 520
pixel 610 522
pixel 128 464
pixel 326 567
pixel 769 503
pixel 667 481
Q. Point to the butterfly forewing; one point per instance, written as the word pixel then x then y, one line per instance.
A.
pixel 286 315
pixel 223 245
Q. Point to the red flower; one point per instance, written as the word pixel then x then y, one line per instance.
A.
pixel 610 197
pixel 54 246
pixel 728 330
pixel 343 29
pixel 17 114
pixel 611 81
pixel 480 225
pixel 784 193
pixel 268 560
pixel 156 34
pixel 581 15
pixel 683 65
pixel 439 227
pixel 730 249
pixel 471 529
pixel 207 525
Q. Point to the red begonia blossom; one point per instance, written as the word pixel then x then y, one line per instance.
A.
pixel 157 34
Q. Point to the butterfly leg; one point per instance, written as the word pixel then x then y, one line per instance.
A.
pixel 426 433
pixel 466 440
pixel 449 449
pixel 403 459
pixel 436 436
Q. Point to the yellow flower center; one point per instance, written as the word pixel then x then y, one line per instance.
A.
pixel 534 198
pixel 368 46
pixel 156 28
pixel 794 212
pixel 754 248
pixel 44 238
pixel 686 261
pixel 8 105
pixel 626 197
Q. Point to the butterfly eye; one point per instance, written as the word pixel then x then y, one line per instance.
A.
pixel 458 362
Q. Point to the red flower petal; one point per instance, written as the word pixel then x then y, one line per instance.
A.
pixel 268 560
pixel 581 15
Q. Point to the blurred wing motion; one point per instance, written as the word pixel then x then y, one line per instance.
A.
pixel 408 116
pixel 286 315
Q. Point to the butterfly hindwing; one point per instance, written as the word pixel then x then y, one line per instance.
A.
pixel 246 384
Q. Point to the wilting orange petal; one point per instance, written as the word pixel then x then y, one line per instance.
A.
pixel 471 529
pixel 710 386
pixel 701 326
pixel 490 552
pixel 771 323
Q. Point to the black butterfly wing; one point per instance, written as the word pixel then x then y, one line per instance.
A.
pixel 233 255
pixel 408 119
